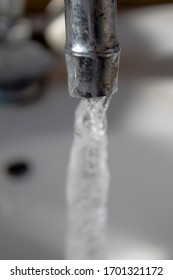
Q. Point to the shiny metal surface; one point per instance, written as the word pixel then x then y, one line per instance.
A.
pixel 92 49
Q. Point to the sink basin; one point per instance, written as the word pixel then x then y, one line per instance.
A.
pixel 35 143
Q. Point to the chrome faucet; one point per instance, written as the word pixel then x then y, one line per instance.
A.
pixel 92 48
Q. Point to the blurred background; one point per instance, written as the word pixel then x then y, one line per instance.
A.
pixel 36 132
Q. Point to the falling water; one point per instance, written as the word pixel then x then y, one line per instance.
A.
pixel 88 181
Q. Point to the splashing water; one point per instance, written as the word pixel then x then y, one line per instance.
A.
pixel 88 181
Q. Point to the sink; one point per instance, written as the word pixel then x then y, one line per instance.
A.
pixel 35 143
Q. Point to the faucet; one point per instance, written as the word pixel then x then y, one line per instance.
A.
pixel 92 48
pixel 24 63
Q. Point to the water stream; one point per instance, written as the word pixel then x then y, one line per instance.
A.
pixel 88 182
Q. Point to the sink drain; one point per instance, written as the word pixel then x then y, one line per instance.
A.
pixel 18 169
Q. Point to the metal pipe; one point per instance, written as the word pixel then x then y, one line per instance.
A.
pixel 92 48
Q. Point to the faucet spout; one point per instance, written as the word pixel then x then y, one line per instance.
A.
pixel 92 48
